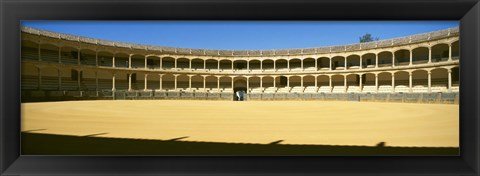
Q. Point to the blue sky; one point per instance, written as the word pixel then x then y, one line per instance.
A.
pixel 240 34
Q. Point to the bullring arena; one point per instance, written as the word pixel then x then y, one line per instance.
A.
pixel 400 92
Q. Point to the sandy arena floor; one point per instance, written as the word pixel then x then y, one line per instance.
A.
pixel 293 122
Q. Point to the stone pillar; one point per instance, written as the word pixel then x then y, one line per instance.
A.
pixel 360 84
pixel 274 82
pixel 204 82
pixel 449 80
pixel 410 81
pixel 145 82
pixel 376 83
pixel 190 82
pixel 113 82
pixel 288 65
pixel 218 65
pixel 204 65
pixel 393 59
pixel 145 62
pixel 218 83
pixel 129 81
pixel 301 81
pixel 316 66
pixel 175 67
pixel 330 82
pixel 345 83
pixel 39 52
pixel 376 60
pixel 160 87
pixel 78 79
pixel 96 58
pixel 130 61
pixel 316 80
pixel 301 64
pixel 232 81
pixel 78 57
pixel 361 64
pixel 175 82
pixel 96 81
pixel 345 64
pixel 113 61
pixel 411 57
pixel 190 64
pixel 330 59
pixel 393 82
pixel 248 84
pixel 59 55
pixel 161 63
pixel 429 81
pixel 274 66
pixel 261 83
pixel 248 65
pixel 429 54
pixel 450 52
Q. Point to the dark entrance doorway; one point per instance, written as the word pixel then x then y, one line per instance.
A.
pixel 240 85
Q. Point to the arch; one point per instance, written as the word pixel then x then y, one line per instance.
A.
pixel 309 64
pixel 197 82
pixel 337 80
pixel 168 63
pixel 368 60
pixel 153 62
pixel 254 82
pixel 308 80
pixel 49 78
pixel 267 64
pixel 439 78
pixel 440 52
pixel 385 59
pixel 104 58
pixel 402 80
pixel 420 55
pixel 87 57
pixel 121 60
pixel 281 64
pixel 225 83
pixel 240 64
pixel 420 78
pixel 402 57
pixel 210 82
pixel 267 81
pixel 183 63
pixel 29 50
pixel 384 78
pixel 294 81
pixel 455 76
pixel 211 64
pixel 338 63
pixel 138 61
pixel 49 52
pixel 323 63
pixel 353 80
pixel 368 79
pixel 254 64
pixel 295 64
pixel 153 81
pixel 239 83
pixel 168 82
pixel 455 50
pixel 197 64
pixel 323 80
pixel 353 62
pixel 69 55
pixel 225 64
pixel 182 82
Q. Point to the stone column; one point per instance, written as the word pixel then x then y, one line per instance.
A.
pixel 175 67
pixel 410 81
pixel 161 75
pixel 145 82
pixel 145 62
pixel 96 81
pixel 450 52
pixel 449 80
pixel 376 60
pixel 301 81
pixel 393 59
pixel 78 79
pixel 218 65
pixel 411 57
pixel 261 65
pixel 361 64
pixel 301 64
pixel 190 82
pixel 113 61
pixel 429 54
pixel 345 64
pixel 204 65
pixel 393 82
pixel 59 55
pixel 161 63
pixel 345 83
pixel 360 84
pixel 175 82
pixel 274 82
pixel 39 52
pixel 204 82
pixel 78 57
pixel 330 82
pixel 274 66
pixel 316 66
pixel 376 83
pixel 96 58
pixel 232 81
pixel 330 59
pixel 248 84
pixel 130 61
pixel 429 81
pixel 129 81
pixel 218 83
pixel 316 80
pixel 261 83
pixel 288 65
pixel 190 64
pixel 248 65
pixel 113 82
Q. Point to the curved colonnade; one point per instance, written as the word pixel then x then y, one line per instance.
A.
pixel 57 64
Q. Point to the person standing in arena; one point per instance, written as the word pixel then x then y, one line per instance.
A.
pixel 238 95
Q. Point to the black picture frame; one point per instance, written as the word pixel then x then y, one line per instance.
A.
pixel 11 163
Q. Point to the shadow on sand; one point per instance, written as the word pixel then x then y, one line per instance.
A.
pixel 48 144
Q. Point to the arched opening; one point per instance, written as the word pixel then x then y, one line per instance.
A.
pixel 309 64
pixel 182 82
pixel 267 65
pixel 402 82
pixel 49 78
pixel 121 60
pixel 353 83
pixel 197 64
pixel 281 65
pixel 455 50
pixel 295 84
pixel 309 84
pixel 420 81
pixel 69 55
pixel 29 80
pixel 87 57
pixel 420 55
pixel 385 59
pixel 368 84
pixel 295 64
pixel 121 81
pixel 439 80
pixel 210 83
pixel 323 83
pixel 88 80
pixel 225 65
pixel 104 80
pixel 153 81
pixel 197 83
pixel 105 59
pixel 338 84
pixel 240 85
pixel 268 84
pixel 240 64
pixel 368 60
pixel 254 65
pixel 49 53
pixel 168 82
pixel 254 85
pixel 338 63
pixel 138 61
pixel 29 50
pixel 168 63
pixel 353 62
pixel 385 82
pixel 402 57
pixel 226 84
pixel 153 62
pixel 440 52
pixel 323 63
pixel 183 63
pixel 211 64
